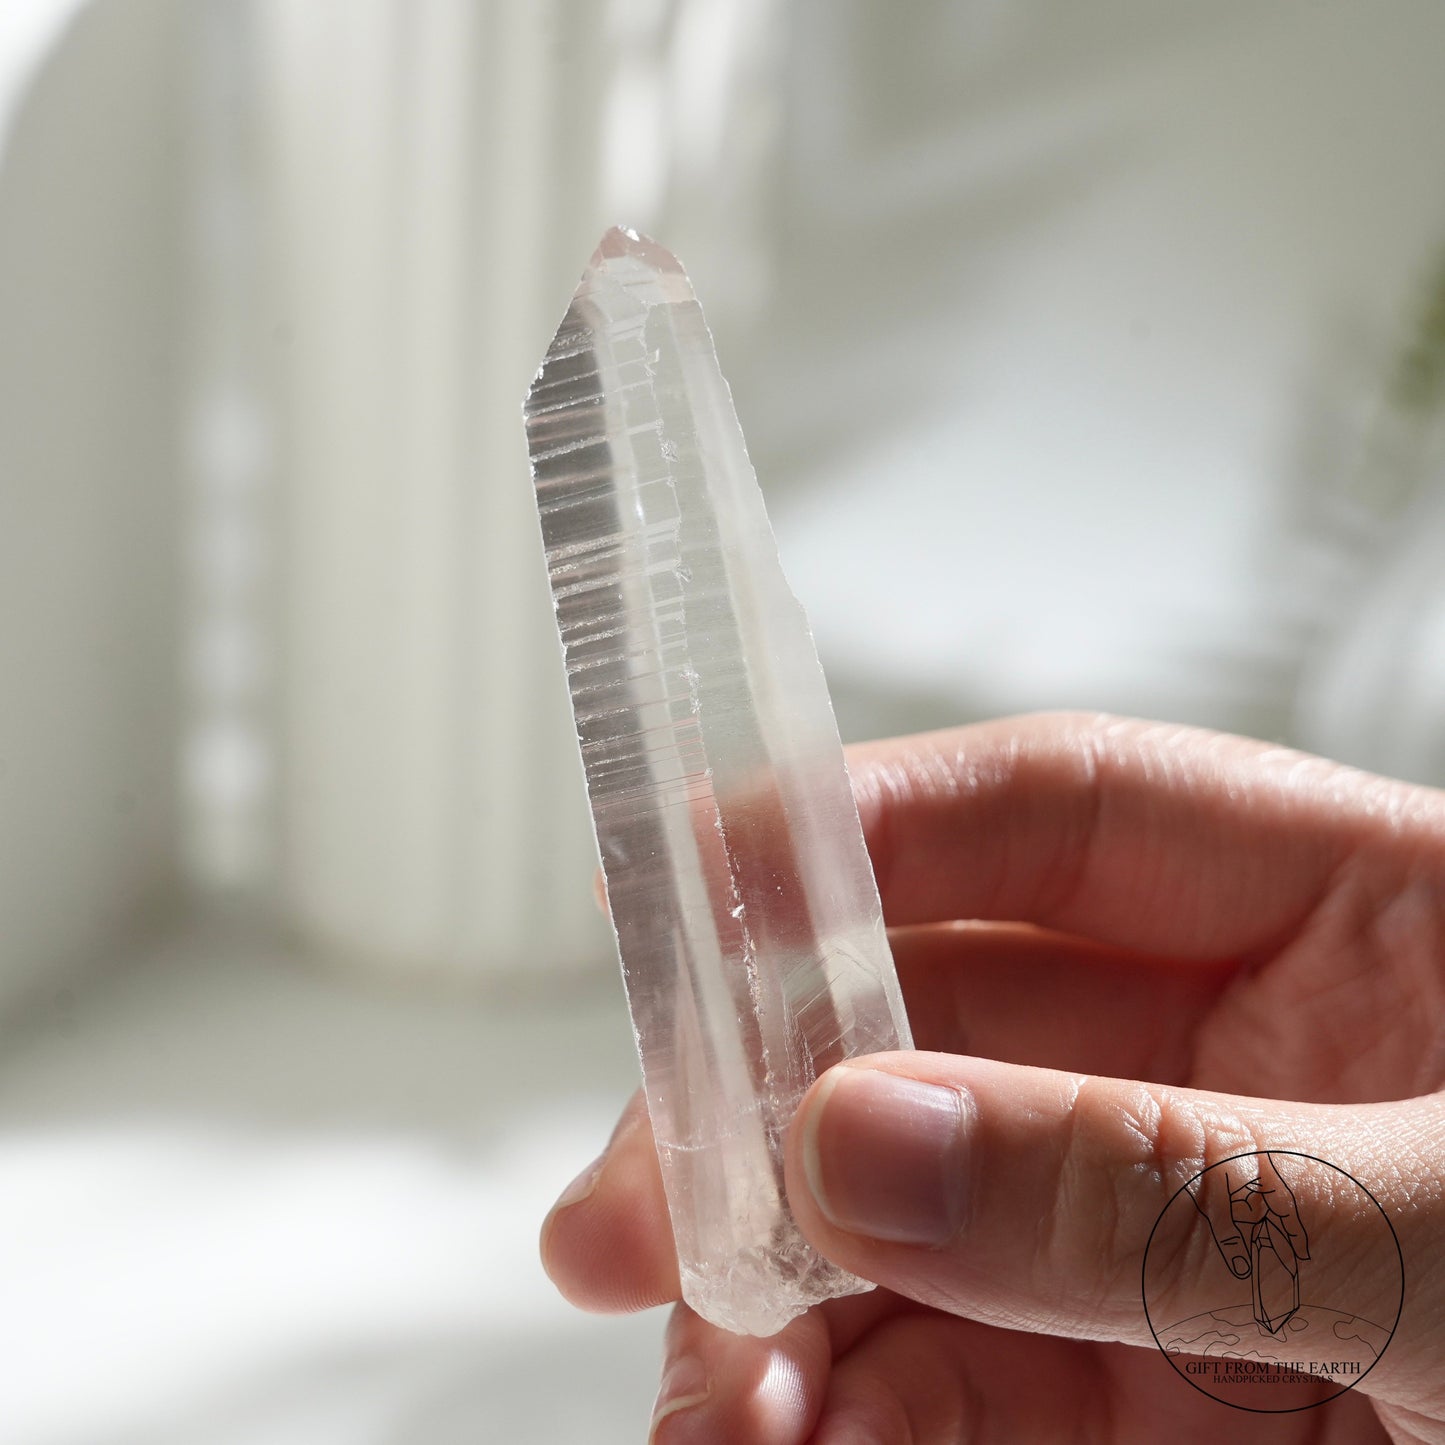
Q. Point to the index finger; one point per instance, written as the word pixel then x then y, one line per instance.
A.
pixel 1143 836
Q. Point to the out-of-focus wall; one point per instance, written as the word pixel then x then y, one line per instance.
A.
pixel 88 519
pixel 1056 337
pixel 1085 316
pixel 428 179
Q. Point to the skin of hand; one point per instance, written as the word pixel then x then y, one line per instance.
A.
pixel 1178 947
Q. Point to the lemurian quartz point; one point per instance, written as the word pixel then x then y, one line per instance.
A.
pixel 746 912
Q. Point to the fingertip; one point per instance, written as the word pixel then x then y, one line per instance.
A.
pixel 721 1386
pixel 609 1253
pixel 685 1388
pixel 607 1242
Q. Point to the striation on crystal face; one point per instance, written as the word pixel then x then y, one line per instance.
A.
pixel 746 912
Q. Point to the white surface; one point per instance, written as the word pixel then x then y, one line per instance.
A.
pixel 245 1204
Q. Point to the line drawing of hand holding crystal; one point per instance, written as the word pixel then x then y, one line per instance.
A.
pixel 1254 1218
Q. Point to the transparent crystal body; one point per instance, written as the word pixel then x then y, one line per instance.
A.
pixel 746 912
pixel 1274 1277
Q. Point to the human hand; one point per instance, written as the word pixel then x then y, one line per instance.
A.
pixel 1192 947
pixel 1238 1196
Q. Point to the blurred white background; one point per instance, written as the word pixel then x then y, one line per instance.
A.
pixel 1091 355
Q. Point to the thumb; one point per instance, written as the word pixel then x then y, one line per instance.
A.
pixel 1027 1197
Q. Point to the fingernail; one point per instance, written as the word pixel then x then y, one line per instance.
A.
pixel 684 1386
pixel 586 1181
pixel 885 1156
pixel 1239 1264
pixel 581 1186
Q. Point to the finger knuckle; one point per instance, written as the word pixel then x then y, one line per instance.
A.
pixel 1128 1151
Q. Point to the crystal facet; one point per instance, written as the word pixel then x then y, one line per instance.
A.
pixel 747 916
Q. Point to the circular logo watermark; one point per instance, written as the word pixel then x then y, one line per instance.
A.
pixel 1273 1281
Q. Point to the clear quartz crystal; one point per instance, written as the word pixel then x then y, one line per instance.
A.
pixel 747 916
